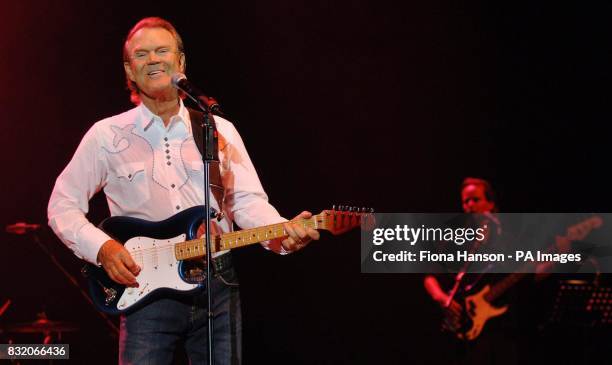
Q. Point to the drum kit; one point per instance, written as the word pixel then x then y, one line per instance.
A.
pixel 42 330
pixel 49 330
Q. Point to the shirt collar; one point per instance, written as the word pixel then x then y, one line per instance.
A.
pixel 147 118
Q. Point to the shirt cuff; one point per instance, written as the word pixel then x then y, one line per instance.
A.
pixel 90 240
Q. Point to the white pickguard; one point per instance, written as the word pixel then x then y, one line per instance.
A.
pixel 159 268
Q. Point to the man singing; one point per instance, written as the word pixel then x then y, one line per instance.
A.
pixel 149 166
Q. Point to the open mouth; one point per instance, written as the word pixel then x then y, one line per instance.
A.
pixel 155 73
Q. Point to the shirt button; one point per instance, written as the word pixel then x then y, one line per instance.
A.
pixel 168 157
pixel 178 207
pixel 169 163
pixel 172 186
pixel 165 138
pixel 167 151
pixel 167 145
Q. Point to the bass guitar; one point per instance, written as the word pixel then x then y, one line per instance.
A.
pixel 477 308
pixel 170 254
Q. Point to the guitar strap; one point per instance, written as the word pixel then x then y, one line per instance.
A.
pixel 197 128
pixel 464 268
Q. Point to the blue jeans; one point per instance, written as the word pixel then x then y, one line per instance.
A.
pixel 150 335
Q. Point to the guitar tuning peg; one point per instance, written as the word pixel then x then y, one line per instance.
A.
pixel 340 207
pixel 363 209
pixel 334 207
pixel 371 210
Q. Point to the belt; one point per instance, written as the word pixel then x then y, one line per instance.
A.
pixel 195 272
pixel 222 263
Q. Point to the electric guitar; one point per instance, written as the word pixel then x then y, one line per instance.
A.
pixel 477 308
pixel 167 252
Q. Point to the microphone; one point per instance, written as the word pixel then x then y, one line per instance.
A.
pixel 180 82
pixel 22 227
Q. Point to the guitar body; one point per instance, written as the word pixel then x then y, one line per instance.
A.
pixel 479 311
pixel 151 244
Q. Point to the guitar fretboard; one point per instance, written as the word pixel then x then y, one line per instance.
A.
pixel 196 248
pixel 500 288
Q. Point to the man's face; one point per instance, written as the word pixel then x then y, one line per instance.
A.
pixel 154 58
pixel 474 200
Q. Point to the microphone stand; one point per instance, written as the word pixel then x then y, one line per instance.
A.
pixel 209 136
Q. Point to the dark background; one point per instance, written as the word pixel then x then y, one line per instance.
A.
pixel 370 103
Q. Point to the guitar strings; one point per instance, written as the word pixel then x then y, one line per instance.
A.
pixel 230 237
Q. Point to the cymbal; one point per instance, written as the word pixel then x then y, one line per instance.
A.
pixel 41 326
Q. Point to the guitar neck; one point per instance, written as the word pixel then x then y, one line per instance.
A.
pixel 506 283
pixel 197 248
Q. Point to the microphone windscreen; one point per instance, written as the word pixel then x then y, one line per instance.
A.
pixel 176 78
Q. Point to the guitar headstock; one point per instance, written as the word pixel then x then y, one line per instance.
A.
pixel 582 229
pixel 341 219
